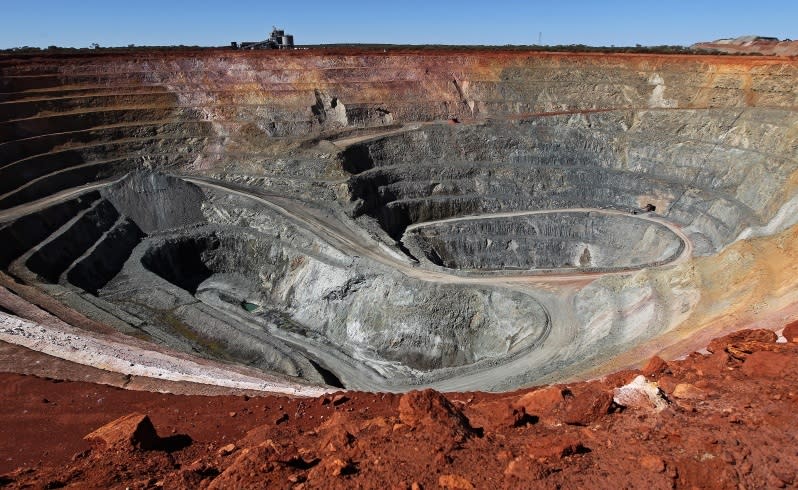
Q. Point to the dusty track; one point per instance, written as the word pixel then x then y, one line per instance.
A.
pixel 350 240
pixel 116 356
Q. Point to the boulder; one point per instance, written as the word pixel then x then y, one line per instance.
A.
pixel 687 391
pixel 544 403
pixel 331 467
pixel 640 394
pixel 652 463
pixel 587 406
pixel 251 462
pixel 340 399
pixel 555 447
pixel 339 431
pixel 655 366
pixel 257 435
pixel 744 342
pixel 134 430
pixel 227 450
pixel 430 410
pixel 500 414
pixel 791 332
pixel 454 482
pixel 766 364
pixel 667 383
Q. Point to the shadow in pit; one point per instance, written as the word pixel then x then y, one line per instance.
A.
pixel 327 375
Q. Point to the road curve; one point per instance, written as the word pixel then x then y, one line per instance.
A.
pixel 353 241
pixel 557 343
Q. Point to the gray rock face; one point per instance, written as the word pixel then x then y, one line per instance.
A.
pixel 551 240
pixel 621 161
pixel 316 300
pixel 316 219
pixel 157 202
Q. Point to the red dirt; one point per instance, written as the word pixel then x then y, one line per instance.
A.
pixel 730 420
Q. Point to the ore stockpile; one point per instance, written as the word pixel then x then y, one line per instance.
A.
pixel 384 221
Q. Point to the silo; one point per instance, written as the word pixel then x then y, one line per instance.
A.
pixel 287 41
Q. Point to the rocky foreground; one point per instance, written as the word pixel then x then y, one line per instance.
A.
pixel 724 419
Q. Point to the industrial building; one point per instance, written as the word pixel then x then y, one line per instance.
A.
pixel 277 40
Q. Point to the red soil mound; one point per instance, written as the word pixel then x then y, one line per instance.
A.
pixel 725 419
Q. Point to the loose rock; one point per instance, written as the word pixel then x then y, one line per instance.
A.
pixel 586 407
pixel 791 332
pixel 652 463
pixel 135 430
pixel 431 410
pixel 765 364
pixel 455 482
pixel 640 394
pixel 228 449
pixel 555 447
pixel 655 366
pixel 687 391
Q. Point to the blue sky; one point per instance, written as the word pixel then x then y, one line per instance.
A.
pixel 615 22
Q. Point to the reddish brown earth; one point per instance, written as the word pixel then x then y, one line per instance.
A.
pixel 729 420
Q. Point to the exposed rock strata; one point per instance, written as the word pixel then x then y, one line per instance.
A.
pixel 277 240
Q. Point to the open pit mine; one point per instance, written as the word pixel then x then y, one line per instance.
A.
pixel 300 221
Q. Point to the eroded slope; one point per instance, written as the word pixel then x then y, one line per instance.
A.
pixel 313 223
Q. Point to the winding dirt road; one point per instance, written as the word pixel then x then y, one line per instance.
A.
pixel 350 240
pixel 560 342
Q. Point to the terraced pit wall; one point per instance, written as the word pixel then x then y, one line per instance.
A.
pixel 323 165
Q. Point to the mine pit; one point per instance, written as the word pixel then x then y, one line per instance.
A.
pixel 550 240
pixel 584 209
